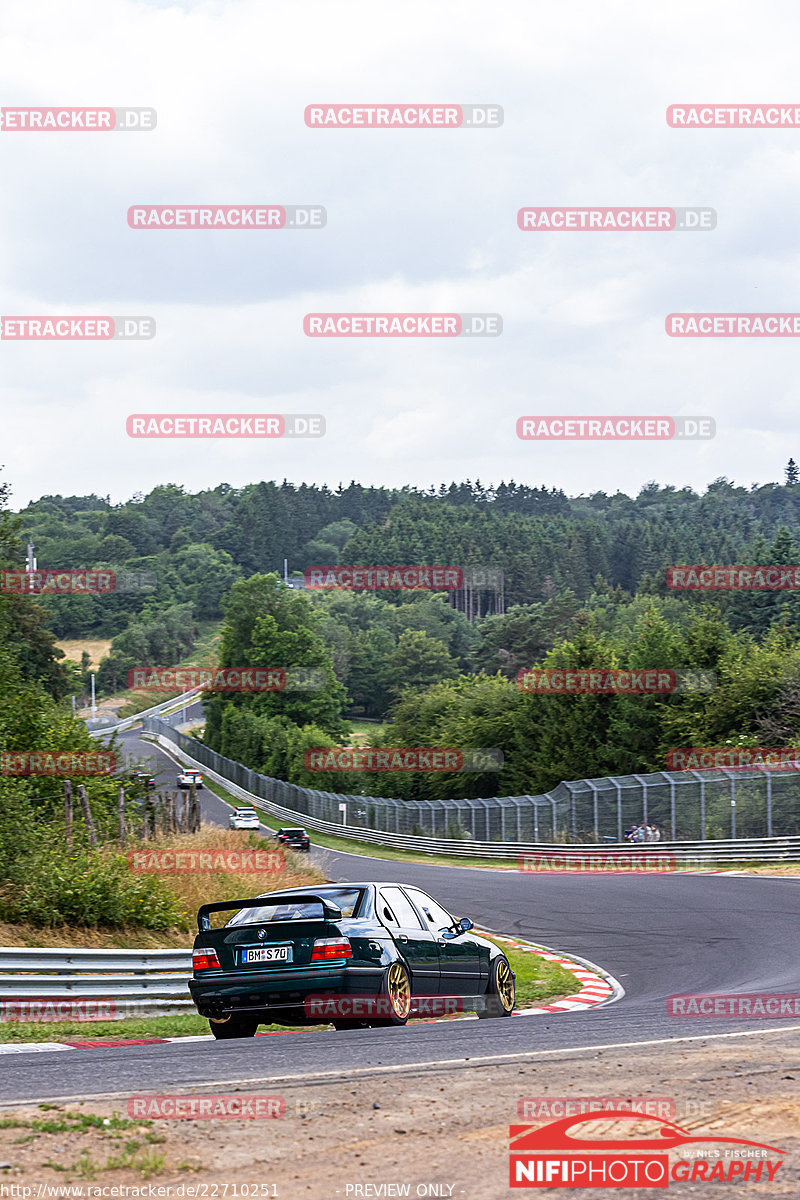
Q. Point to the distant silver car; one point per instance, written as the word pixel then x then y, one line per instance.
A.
pixel 187 778
pixel 244 818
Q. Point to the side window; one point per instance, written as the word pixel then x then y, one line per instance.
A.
pixel 436 916
pixel 406 917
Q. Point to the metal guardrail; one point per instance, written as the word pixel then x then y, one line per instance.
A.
pixel 133 982
pixel 689 854
pixel 127 722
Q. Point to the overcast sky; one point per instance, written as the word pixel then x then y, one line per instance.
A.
pixel 417 221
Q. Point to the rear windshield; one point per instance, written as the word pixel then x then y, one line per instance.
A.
pixel 300 909
pixel 294 832
pixel 246 812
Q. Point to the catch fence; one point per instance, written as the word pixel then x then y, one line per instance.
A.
pixel 694 806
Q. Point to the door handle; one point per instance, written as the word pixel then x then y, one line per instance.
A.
pixel 441 941
pixel 402 938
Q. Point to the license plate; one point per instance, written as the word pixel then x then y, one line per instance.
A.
pixel 267 954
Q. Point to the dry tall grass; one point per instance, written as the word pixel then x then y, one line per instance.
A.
pixel 191 888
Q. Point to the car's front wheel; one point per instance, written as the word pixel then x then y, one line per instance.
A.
pixel 501 992
pixel 394 996
pixel 234 1027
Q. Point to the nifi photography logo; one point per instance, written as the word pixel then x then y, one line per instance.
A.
pixel 563 1154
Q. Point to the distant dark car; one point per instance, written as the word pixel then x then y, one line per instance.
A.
pixel 144 779
pixel 295 839
pixel 354 955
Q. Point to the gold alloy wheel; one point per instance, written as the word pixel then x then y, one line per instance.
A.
pixel 399 990
pixel 505 985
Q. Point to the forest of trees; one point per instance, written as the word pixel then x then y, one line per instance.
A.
pixel 584 585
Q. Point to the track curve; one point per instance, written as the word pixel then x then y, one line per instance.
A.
pixel 658 935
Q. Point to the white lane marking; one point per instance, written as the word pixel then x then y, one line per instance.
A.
pixel 28 1047
pixel 350 1072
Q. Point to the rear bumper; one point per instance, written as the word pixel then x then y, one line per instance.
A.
pixel 236 992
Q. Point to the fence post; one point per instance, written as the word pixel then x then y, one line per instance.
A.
pixel 769 804
pixel 121 807
pixel 672 808
pixel 68 812
pixel 596 811
pixel 87 815
pixel 195 806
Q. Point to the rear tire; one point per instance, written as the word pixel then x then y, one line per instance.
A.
pixel 501 991
pixel 396 994
pixel 233 1027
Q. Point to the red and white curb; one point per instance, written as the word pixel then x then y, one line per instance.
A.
pixel 596 987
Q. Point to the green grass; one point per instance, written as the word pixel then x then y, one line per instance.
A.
pixel 538 981
pixel 136 1027
pixel 364 731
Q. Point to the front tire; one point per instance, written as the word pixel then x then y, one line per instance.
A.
pixel 396 996
pixel 501 991
pixel 233 1027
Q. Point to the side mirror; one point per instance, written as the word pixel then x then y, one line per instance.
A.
pixel 464 924
pixel 447 934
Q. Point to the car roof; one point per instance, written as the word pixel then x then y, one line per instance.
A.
pixel 324 887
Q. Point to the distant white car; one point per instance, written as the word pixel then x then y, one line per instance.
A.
pixel 187 778
pixel 244 818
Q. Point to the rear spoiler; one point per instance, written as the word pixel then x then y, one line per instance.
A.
pixel 330 911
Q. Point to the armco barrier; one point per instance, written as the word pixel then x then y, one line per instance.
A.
pixel 139 982
pixel 96 730
pixel 696 853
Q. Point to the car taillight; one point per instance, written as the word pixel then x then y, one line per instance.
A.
pixel 205 960
pixel 327 948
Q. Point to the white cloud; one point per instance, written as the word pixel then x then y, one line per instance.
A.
pixel 417 221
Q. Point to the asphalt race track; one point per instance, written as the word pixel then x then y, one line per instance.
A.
pixel 657 935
